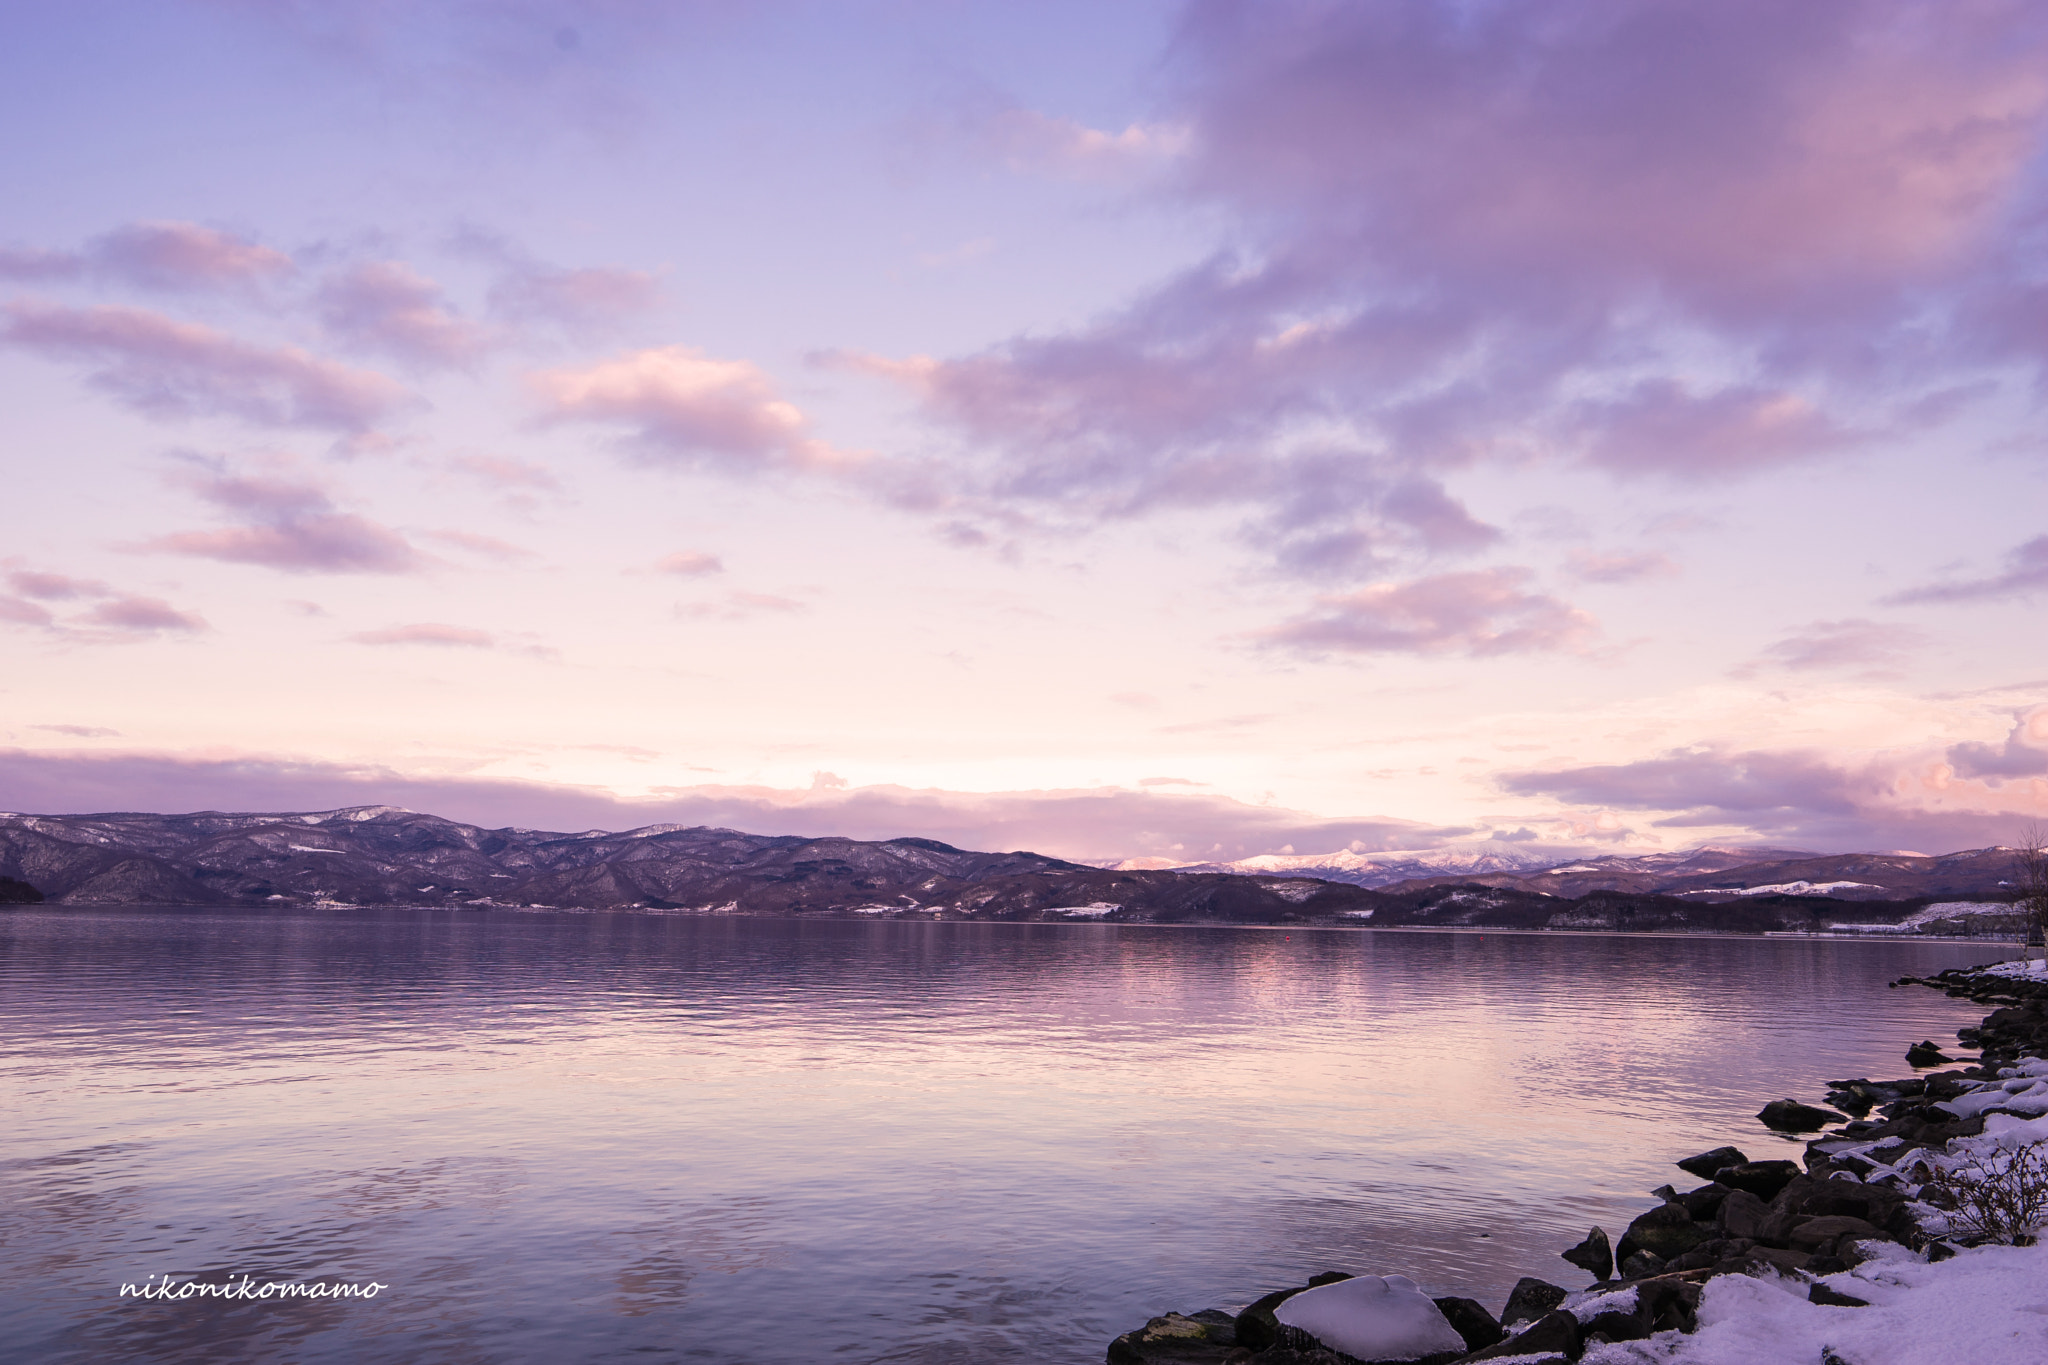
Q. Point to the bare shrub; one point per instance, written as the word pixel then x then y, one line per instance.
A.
pixel 2030 864
pixel 1995 1196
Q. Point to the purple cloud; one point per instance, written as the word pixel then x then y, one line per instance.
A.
pixel 587 299
pixel 2024 753
pixel 165 368
pixel 168 256
pixel 142 616
pixel 183 256
pixel 690 564
pixel 2026 570
pixel 426 633
pixel 1590 567
pixel 289 525
pixel 1856 643
pixel 383 306
pixel 54 587
pixel 22 612
pixel 1483 612
pixel 1794 797
pixel 1509 232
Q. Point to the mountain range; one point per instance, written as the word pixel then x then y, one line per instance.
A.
pixel 384 855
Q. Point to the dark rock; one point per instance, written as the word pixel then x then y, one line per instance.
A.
pixel 1614 1327
pixel 1665 1231
pixel 1832 1298
pixel 1706 1163
pixel 1257 1328
pixel 1777 1258
pixel 1925 1053
pixel 1554 1335
pixel 1595 1255
pixel 1790 1116
pixel 1761 1178
pixel 1471 1321
pixel 1705 1201
pixel 1665 1193
pixel 1668 1305
pixel 1639 1265
pixel 1742 1214
pixel 1204 1338
pixel 1531 1298
pixel 1939 1251
pixel 1814 1234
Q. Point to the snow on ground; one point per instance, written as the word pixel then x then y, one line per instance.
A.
pixel 1787 889
pixel 1986 1306
pixel 2023 969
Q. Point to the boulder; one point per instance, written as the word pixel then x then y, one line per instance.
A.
pixel 1471 1321
pixel 1614 1326
pixel 1925 1053
pixel 1833 1298
pixel 1205 1338
pixel 1704 1202
pixel 1814 1234
pixel 1256 1326
pixel 1790 1116
pixel 1554 1336
pixel 1373 1318
pixel 1531 1298
pixel 1665 1231
pixel 1706 1163
pixel 1761 1178
pixel 1640 1265
pixel 1742 1214
pixel 1595 1255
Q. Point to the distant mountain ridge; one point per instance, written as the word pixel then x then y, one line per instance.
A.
pixel 384 855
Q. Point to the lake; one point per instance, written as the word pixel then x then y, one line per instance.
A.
pixel 563 1137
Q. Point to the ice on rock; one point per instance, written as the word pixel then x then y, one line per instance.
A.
pixel 1372 1317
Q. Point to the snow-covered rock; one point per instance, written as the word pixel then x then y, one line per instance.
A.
pixel 1372 1317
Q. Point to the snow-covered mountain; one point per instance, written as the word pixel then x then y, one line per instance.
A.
pixel 1477 858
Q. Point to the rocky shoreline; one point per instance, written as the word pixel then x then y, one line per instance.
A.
pixel 1871 1189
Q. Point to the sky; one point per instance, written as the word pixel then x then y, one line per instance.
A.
pixel 1168 430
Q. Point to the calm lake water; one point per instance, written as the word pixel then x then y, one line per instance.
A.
pixel 614 1137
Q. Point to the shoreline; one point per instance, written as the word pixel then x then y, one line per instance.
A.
pixel 1063 922
pixel 1736 1271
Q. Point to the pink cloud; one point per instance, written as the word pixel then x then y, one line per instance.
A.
pixel 426 633
pixel 184 256
pixel 290 525
pixel 685 406
pixel 2024 753
pixel 79 731
pixel 740 606
pixel 54 587
pixel 1857 643
pixel 491 547
pixel 143 615
pixel 165 368
pixel 690 563
pixel 385 306
pixel 1622 567
pixel 1483 612
pixel 163 255
pixel 22 612
pixel 503 472
pixel 2026 571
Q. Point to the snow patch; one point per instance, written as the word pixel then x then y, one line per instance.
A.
pixel 1372 1317
pixel 1090 910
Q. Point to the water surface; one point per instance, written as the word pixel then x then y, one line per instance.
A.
pixel 629 1137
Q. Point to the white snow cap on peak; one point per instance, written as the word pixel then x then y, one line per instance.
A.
pixel 1372 1317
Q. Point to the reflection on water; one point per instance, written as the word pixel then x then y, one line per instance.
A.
pixel 587 1137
